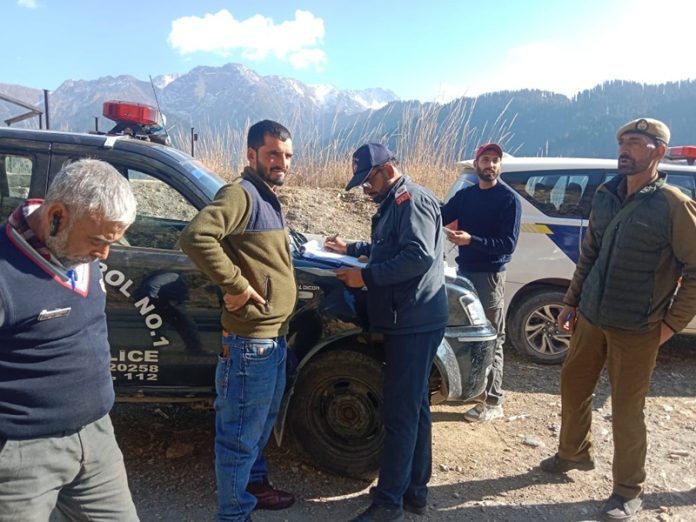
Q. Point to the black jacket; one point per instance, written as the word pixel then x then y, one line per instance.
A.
pixel 405 272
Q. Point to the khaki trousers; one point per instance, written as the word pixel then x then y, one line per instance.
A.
pixel 630 359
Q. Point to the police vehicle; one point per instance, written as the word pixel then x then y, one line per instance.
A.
pixel 556 195
pixel 164 315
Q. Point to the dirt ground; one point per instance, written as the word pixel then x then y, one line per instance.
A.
pixel 480 472
pixel 327 211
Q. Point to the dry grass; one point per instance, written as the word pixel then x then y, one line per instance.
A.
pixel 429 140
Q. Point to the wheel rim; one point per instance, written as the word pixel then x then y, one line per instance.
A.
pixel 542 333
pixel 345 413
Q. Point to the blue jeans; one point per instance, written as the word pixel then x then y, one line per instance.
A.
pixel 249 385
pixel 407 459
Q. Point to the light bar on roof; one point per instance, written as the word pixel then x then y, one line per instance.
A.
pixel 687 152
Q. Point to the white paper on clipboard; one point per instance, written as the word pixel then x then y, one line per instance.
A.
pixel 313 250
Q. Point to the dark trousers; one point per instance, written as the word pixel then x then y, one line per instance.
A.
pixel 407 458
pixel 630 359
pixel 490 287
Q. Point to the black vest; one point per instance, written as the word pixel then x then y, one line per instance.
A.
pixel 54 352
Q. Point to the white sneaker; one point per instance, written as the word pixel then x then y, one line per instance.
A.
pixel 483 412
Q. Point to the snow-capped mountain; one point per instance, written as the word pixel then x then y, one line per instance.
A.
pixel 227 96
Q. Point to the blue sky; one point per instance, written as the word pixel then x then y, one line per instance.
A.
pixel 433 50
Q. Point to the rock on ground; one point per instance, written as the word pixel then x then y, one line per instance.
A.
pixel 481 472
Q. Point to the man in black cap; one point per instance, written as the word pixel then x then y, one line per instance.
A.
pixel 488 225
pixel 621 306
pixel 408 305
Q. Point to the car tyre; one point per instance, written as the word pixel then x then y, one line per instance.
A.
pixel 336 412
pixel 533 330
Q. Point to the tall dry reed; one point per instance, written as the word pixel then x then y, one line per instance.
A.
pixel 428 140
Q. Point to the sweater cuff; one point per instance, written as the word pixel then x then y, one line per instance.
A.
pixel 569 299
pixel 475 240
pixel 675 331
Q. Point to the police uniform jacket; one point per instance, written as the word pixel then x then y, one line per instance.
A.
pixel 405 272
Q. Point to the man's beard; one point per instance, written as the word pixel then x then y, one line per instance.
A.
pixel 265 174
pixel 486 174
pixel 631 168
pixel 58 246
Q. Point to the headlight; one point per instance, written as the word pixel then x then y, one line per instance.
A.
pixel 473 309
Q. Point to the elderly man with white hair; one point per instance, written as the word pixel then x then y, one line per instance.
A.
pixel 57 445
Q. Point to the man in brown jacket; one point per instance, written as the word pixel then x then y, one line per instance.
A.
pixel 240 241
pixel 621 306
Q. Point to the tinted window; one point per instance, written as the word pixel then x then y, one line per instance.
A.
pixel 560 193
pixel 15 180
pixel 162 213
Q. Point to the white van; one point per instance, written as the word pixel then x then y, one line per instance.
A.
pixel 556 195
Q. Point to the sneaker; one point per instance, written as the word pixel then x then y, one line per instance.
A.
pixel 377 513
pixel 620 508
pixel 483 412
pixel 558 465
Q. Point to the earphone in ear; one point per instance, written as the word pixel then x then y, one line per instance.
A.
pixel 54 225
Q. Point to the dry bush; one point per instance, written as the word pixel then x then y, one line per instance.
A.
pixel 429 140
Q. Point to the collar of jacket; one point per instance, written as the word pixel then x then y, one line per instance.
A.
pixel 612 186
pixel 260 183
pixel 390 193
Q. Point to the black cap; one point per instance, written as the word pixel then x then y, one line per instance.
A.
pixel 365 158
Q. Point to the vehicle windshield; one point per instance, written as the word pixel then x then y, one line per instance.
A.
pixel 209 181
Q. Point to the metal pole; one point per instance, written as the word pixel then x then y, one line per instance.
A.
pixel 48 126
pixel 96 124
pixel 192 140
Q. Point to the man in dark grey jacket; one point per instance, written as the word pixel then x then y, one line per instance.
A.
pixel 408 304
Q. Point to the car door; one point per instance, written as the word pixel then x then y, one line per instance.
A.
pixel 23 173
pixel 163 314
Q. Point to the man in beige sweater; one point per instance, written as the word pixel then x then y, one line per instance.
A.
pixel 240 241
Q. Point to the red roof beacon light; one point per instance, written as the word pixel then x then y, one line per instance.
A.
pixel 135 119
pixel 120 111
pixel 687 153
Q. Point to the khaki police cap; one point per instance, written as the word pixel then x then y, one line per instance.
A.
pixel 648 126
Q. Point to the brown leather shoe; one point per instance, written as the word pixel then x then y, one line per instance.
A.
pixel 269 498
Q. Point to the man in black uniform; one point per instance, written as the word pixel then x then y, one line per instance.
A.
pixel 407 303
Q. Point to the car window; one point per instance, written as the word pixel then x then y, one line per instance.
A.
pixel 561 193
pixel 162 213
pixel 683 182
pixel 15 180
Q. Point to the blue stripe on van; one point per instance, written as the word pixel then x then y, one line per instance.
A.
pixel 566 237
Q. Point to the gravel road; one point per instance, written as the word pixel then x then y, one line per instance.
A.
pixel 480 472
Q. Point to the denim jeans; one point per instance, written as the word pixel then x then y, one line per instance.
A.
pixel 407 459
pixel 79 477
pixel 249 385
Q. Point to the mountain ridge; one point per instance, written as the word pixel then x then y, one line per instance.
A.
pixel 528 122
